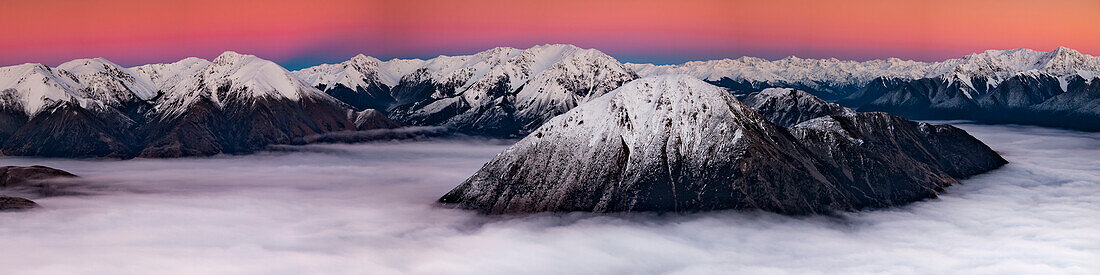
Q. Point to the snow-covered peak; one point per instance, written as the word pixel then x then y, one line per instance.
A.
pixel 355 72
pixel 792 70
pixel 87 65
pixel 108 82
pixel 362 59
pixel 259 77
pixel 463 70
pixel 33 87
pixel 788 107
pixel 167 75
pixel 528 86
pixel 995 65
pixel 235 76
pixel 561 76
pixel 477 72
pixel 228 57
pixel 648 105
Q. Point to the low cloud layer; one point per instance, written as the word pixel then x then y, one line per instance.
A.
pixel 368 208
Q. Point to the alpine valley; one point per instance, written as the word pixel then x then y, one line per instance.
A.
pixel 238 103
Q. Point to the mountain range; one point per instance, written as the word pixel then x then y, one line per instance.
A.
pixel 239 103
pixel 1055 88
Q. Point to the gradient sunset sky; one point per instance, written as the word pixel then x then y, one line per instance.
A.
pixel 304 33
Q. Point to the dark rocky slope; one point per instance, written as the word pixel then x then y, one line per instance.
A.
pixel 37 181
pixel 15 204
pixel 677 144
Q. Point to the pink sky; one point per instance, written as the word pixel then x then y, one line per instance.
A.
pixel 298 33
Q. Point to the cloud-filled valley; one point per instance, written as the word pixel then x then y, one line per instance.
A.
pixel 369 208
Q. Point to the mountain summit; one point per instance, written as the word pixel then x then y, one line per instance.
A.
pixel 677 144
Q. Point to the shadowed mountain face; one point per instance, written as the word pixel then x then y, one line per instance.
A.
pixel 677 144
pixel 1038 99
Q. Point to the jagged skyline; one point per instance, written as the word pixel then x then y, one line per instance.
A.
pixel 299 34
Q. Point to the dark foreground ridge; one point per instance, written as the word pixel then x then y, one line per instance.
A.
pixel 677 144
pixel 29 180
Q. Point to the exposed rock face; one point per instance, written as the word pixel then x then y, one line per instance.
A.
pixel 65 129
pixel 677 144
pixel 19 176
pixel 15 204
pixel 30 180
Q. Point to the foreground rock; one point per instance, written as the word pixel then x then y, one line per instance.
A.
pixel 15 204
pixel 29 180
pixel 20 176
pixel 678 144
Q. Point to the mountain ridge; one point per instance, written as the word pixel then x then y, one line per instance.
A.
pixel 501 92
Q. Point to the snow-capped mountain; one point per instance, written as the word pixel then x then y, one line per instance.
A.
pixel 994 85
pixel 96 84
pixel 372 119
pixel 80 108
pixel 108 82
pixel 501 91
pixel 504 92
pixel 233 76
pixel 787 107
pixel 165 76
pixel 836 79
pixel 826 77
pixel 363 82
pixel 239 103
pixel 1000 65
pixel 1016 86
pixel 677 144
pixel 29 88
pixel 93 107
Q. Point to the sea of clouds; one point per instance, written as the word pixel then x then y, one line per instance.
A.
pixel 368 208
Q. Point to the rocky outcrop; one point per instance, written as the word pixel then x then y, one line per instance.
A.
pixel 35 181
pixel 18 176
pixel 677 144
pixel 15 204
